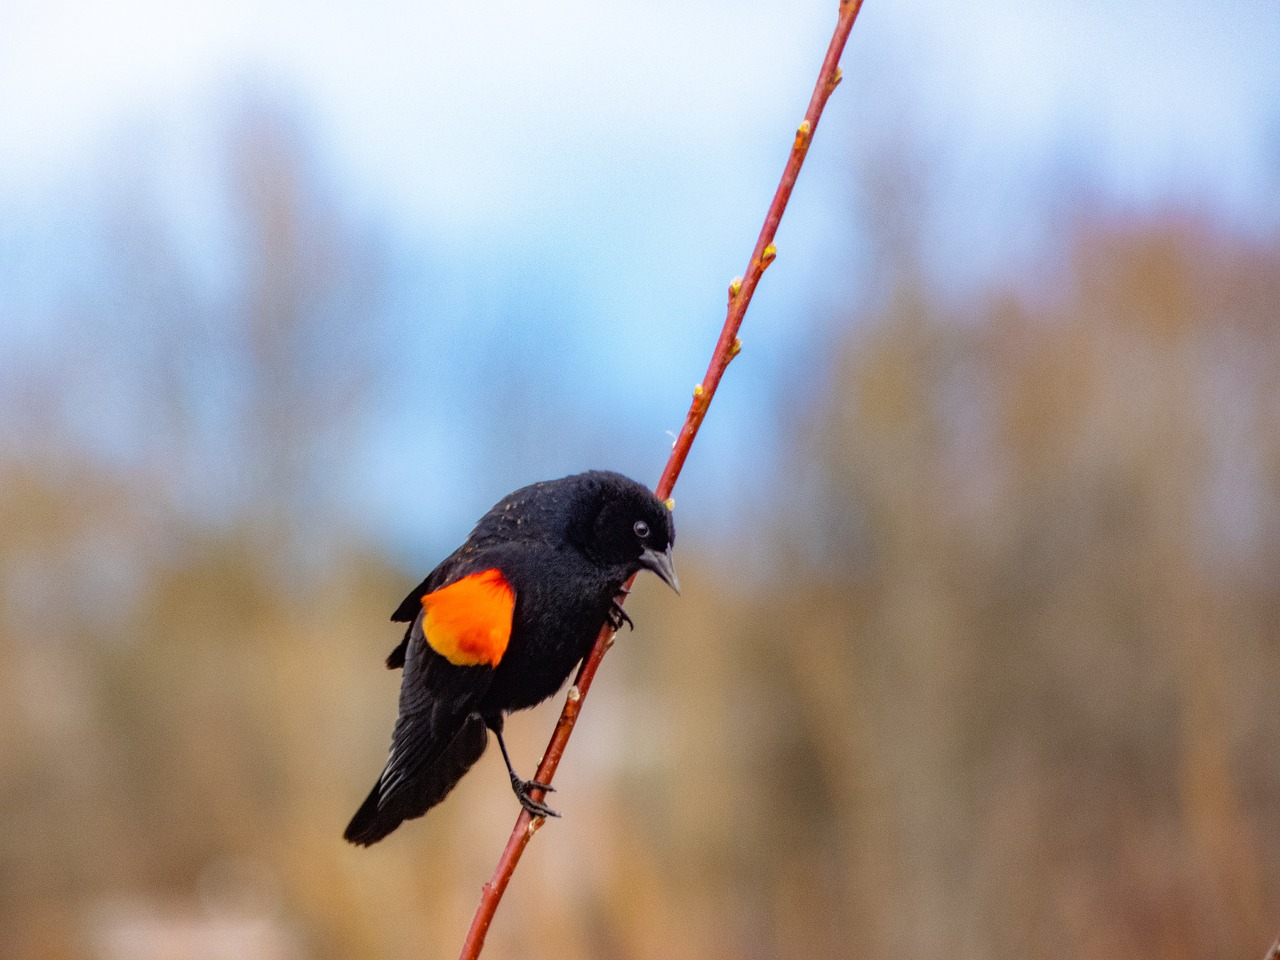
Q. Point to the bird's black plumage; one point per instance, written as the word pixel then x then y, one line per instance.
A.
pixel 561 550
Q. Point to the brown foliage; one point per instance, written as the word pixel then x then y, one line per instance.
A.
pixel 1005 688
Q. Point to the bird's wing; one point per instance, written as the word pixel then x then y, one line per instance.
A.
pixel 436 740
pixel 450 652
pixel 408 612
pixel 436 698
pixel 411 605
pixel 469 557
pixel 464 562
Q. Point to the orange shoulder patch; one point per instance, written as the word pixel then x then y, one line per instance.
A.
pixel 469 621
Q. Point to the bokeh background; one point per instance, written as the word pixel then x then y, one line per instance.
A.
pixel 979 645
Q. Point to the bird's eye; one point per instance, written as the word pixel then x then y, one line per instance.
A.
pixel 641 528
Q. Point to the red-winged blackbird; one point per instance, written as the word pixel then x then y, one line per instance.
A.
pixel 499 626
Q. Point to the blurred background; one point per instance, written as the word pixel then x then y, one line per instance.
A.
pixel 979 645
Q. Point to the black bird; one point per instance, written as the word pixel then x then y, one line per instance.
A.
pixel 500 625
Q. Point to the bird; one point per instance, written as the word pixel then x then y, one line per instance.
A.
pixel 500 624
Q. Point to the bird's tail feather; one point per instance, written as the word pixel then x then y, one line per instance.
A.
pixel 383 810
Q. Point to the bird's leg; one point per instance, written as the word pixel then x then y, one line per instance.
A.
pixel 522 787
pixel 617 615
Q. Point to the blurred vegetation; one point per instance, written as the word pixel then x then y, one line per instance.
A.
pixel 1006 688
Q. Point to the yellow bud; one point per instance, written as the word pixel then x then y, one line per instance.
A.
pixel 802 135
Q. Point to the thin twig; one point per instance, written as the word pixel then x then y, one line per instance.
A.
pixel 727 347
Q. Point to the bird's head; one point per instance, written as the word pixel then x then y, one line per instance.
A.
pixel 630 528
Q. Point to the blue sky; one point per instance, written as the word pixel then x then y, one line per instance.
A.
pixel 606 165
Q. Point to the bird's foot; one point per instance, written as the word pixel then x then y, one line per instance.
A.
pixel 619 616
pixel 535 807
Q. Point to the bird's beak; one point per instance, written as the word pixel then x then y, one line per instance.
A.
pixel 660 563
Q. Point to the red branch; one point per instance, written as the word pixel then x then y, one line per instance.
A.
pixel 727 347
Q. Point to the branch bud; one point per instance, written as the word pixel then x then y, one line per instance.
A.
pixel 839 75
pixel 736 348
pixel 735 287
pixel 803 133
pixel 670 504
pixel 768 256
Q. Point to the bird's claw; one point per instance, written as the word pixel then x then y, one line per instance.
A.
pixel 524 786
pixel 535 807
pixel 618 616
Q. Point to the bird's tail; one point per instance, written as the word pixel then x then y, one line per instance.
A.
pixel 383 810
